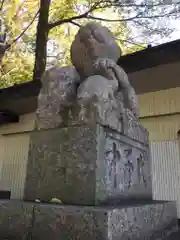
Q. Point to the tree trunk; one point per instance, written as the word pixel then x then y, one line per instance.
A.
pixel 41 40
pixel 3 45
pixel 2 51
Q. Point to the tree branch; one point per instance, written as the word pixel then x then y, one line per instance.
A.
pixel 23 32
pixel 76 24
pixel 108 4
pixel 117 4
pixel 138 16
pixel 66 20
pixel 2 3
pixel 131 42
pixel 109 20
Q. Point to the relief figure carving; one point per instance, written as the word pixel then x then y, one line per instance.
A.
pixel 113 156
pixel 140 169
pixel 120 167
pixel 129 167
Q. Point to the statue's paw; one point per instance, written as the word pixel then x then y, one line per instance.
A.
pixel 99 63
pixel 104 64
pixel 110 63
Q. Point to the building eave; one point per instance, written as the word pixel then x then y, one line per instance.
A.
pixel 151 57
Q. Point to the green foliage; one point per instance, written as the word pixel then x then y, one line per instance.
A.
pixel 17 65
pixel 61 9
pixel 16 15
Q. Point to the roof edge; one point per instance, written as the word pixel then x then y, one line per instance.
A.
pixel 151 57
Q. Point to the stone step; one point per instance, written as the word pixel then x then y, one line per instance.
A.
pixel 26 220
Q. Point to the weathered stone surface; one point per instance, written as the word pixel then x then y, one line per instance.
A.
pixel 91 42
pixel 149 221
pixel 15 220
pixel 58 92
pixel 87 164
pixel 128 166
pixel 127 125
pixel 61 164
pixel 101 93
pixel 97 93
pixel 133 129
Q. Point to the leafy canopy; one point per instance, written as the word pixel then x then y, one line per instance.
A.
pixel 19 21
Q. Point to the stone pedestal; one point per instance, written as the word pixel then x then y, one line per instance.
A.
pixel 147 221
pixel 15 220
pixel 25 221
pixel 90 151
pixel 106 170
pixel 87 164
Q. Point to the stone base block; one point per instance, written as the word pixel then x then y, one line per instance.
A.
pixel 15 220
pixel 88 165
pixel 22 220
pixel 150 222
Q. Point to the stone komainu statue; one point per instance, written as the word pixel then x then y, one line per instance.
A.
pixel 94 80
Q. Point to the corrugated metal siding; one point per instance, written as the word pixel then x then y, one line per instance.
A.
pixel 160 102
pixel 162 128
pixel 166 171
pixel 14 164
pixel 1 153
pixel 14 147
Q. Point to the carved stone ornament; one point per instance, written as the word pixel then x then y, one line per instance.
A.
pixel 97 89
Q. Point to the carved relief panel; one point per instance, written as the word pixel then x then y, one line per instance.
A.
pixel 128 168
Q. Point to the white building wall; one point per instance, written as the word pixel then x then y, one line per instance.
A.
pixel 160 113
pixel 165 171
pixel 14 147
